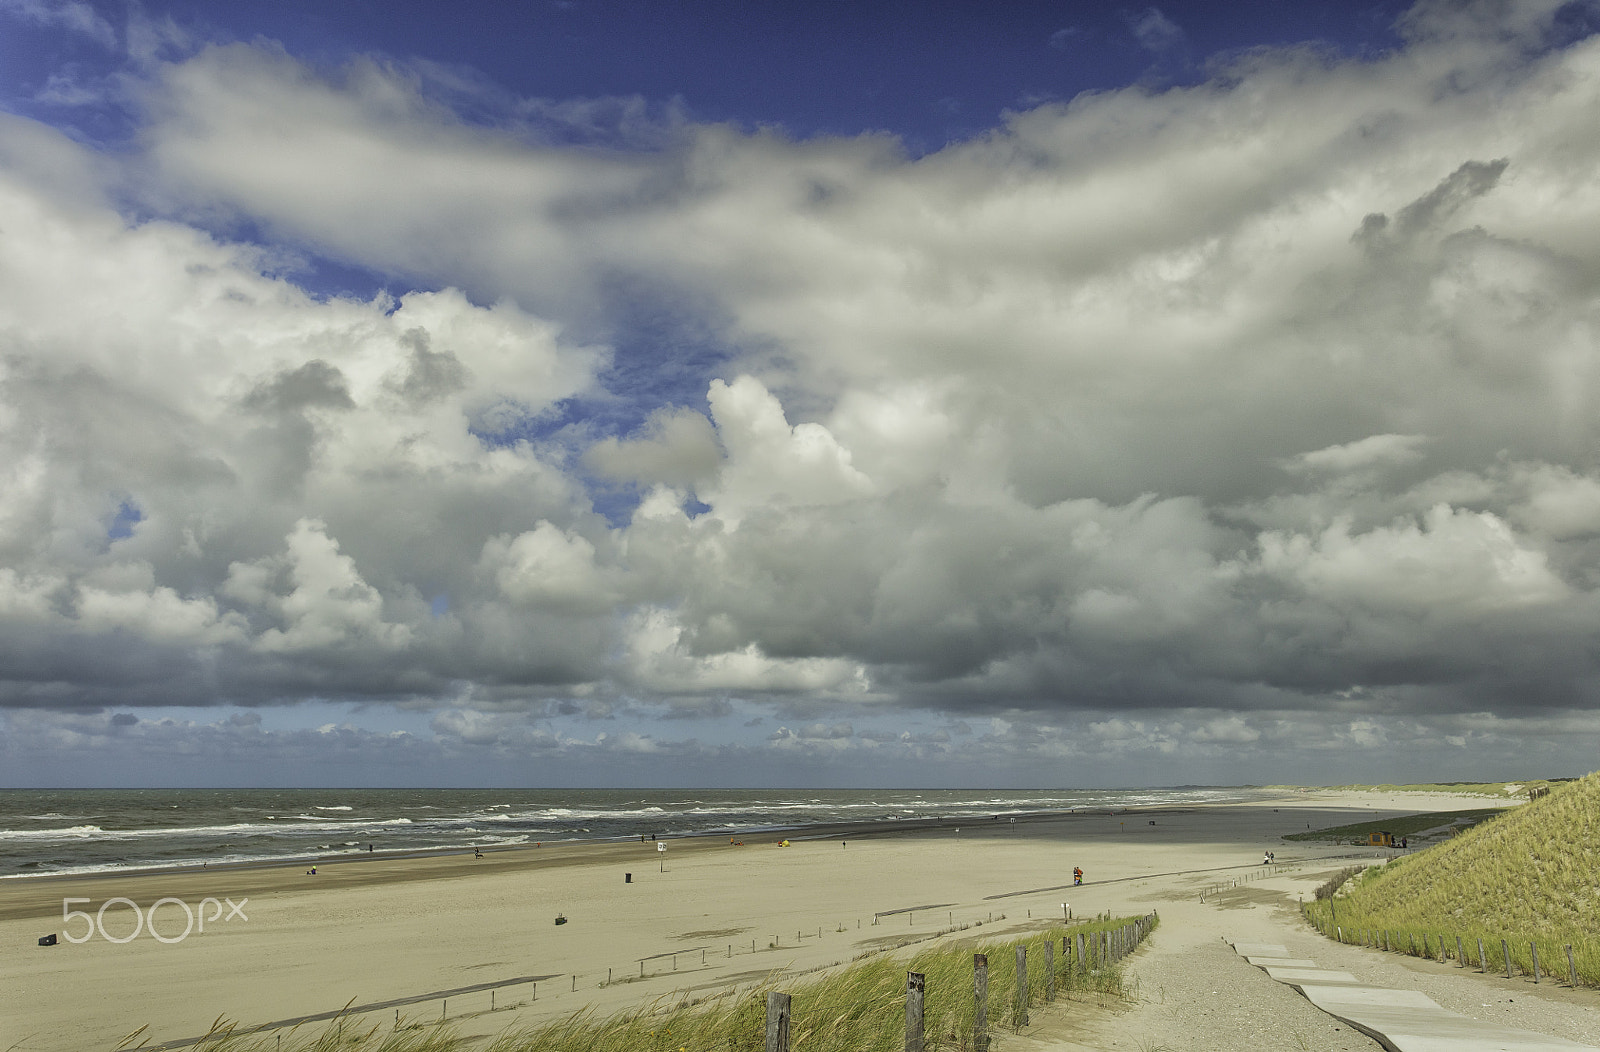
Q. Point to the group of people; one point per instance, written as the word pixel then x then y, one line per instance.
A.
pixel 1077 876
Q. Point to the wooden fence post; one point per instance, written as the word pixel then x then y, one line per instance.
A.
pixel 1572 969
pixel 1483 962
pixel 1078 957
pixel 980 997
pixel 1461 955
pixel 1049 971
pixel 916 982
pixel 777 1022
pixel 1533 948
pixel 1506 949
pixel 1021 1014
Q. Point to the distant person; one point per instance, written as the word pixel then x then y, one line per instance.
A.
pixel 1077 875
pixel 476 853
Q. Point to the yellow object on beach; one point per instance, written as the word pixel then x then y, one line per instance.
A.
pixel 783 843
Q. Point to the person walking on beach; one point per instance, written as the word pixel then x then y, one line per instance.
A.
pixel 1077 875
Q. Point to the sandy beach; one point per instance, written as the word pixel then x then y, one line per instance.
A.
pixel 701 915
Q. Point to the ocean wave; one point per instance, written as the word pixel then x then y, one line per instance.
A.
pixel 236 828
pixel 66 833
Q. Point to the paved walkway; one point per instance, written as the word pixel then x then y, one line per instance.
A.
pixel 1400 1020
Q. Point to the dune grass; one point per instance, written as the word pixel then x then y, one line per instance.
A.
pixel 858 1008
pixel 1530 876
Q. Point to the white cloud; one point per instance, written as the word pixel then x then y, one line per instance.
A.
pixel 771 464
pixel 660 661
pixel 1372 451
pixel 549 567
pixel 1453 564
pixel 160 615
pixel 327 604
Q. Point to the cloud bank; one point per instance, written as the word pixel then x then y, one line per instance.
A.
pixel 1260 410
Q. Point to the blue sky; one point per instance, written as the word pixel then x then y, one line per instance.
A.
pixel 801 394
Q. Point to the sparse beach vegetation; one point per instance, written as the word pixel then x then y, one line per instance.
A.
pixel 857 1008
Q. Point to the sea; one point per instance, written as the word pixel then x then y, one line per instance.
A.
pixel 80 831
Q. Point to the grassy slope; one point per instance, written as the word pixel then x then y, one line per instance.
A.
pixel 1532 873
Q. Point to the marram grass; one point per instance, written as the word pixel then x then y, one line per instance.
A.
pixel 1530 877
pixel 859 1008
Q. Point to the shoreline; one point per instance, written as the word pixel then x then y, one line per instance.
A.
pixel 99 831
pixel 800 831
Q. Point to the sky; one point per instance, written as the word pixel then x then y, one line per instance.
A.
pixel 626 393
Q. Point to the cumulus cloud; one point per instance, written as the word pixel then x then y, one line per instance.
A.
pixel 1234 397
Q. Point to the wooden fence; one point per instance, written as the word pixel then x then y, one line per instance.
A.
pixel 1077 953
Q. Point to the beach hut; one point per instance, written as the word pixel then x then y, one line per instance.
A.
pixel 1382 838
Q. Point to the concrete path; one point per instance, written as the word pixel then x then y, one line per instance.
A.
pixel 1399 1020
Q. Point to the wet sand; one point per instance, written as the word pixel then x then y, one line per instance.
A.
pixel 443 935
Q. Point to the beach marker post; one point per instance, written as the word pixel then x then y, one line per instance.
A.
pixel 1021 1014
pixel 916 983
pixel 777 1022
pixel 980 997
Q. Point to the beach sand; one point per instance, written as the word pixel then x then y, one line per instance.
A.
pixel 698 917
